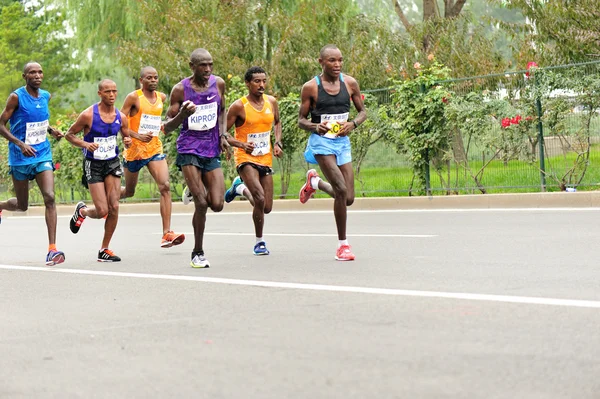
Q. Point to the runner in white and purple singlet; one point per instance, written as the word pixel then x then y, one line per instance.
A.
pixel 198 104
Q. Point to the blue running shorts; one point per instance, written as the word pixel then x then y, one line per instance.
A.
pixel 319 145
pixel 138 164
pixel 28 172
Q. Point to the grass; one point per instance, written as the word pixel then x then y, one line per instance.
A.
pixel 385 173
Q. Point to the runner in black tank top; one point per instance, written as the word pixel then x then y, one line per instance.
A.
pixel 327 99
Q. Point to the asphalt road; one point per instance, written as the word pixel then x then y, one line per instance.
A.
pixel 438 304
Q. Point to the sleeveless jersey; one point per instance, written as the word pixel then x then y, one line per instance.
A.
pixel 200 131
pixel 105 135
pixel 256 129
pixel 29 123
pixel 331 108
pixel 147 120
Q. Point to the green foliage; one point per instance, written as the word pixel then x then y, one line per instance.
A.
pixel 367 134
pixel 31 34
pixel 418 126
pixel 554 32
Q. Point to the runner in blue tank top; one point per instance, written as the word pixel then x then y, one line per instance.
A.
pixel 29 153
pixel 326 98
pixel 100 124
pixel 198 103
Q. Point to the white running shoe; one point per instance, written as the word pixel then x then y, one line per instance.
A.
pixel 187 196
pixel 199 261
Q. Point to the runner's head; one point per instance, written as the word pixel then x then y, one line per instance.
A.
pixel 33 75
pixel 107 90
pixel 149 78
pixel 201 63
pixel 256 80
pixel 331 60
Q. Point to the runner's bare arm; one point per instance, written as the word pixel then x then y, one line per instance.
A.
pixel 278 148
pixel 12 103
pixel 125 131
pixel 130 108
pixel 178 109
pixel 359 104
pixel 222 117
pixel 236 117
pixel 308 98
pixel 82 124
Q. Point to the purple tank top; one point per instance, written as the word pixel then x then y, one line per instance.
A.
pixel 200 132
pixel 105 135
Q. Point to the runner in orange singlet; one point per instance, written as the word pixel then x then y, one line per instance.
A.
pixel 254 117
pixel 144 109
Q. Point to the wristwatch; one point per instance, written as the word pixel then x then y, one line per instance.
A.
pixel 355 124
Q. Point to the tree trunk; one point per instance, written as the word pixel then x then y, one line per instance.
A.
pixel 401 15
pixel 453 8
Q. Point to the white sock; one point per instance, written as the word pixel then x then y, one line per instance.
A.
pixel 239 190
pixel 342 242
pixel 259 239
pixel 314 182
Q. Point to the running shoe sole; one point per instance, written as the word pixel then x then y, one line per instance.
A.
pixel 56 259
pixel 169 244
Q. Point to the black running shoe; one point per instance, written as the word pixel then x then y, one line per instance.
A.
pixel 77 218
pixel 106 255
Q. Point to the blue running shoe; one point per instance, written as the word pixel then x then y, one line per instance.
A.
pixel 261 249
pixel 54 258
pixel 231 193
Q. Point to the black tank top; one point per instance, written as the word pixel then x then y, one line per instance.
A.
pixel 333 107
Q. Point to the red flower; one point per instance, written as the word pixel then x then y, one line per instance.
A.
pixel 444 100
pixel 362 96
pixel 530 65
pixel 57 166
pixel 505 122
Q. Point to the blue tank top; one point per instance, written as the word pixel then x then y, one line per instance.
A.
pixel 200 132
pixel 105 134
pixel 29 123
pixel 331 107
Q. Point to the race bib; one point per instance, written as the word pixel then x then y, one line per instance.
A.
pixel 334 121
pixel 35 132
pixel 107 147
pixel 205 117
pixel 150 124
pixel 339 118
pixel 262 143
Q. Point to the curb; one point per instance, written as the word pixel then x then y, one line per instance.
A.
pixel 590 199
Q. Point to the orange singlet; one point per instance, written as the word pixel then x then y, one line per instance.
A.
pixel 148 119
pixel 256 129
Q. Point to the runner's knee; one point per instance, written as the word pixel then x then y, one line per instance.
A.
pixel 48 199
pixel 164 188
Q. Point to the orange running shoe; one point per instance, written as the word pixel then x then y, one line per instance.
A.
pixel 170 238
pixel 344 253
pixel 306 192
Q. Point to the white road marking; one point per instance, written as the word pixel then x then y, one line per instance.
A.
pixel 313 235
pixel 577 303
pixel 457 210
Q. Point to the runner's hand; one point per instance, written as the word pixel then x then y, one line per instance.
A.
pixel 127 142
pixel 248 147
pixel 27 150
pixel 188 108
pixel 322 128
pixel 225 147
pixel 57 134
pixel 277 151
pixel 347 127
pixel 91 147
pixel 144 137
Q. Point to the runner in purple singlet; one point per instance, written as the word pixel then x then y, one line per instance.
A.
pixel 198 104
pixel 102 170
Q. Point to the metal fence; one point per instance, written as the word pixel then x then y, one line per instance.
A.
pixel 555 109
